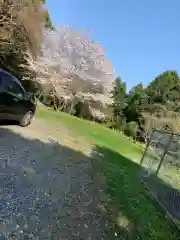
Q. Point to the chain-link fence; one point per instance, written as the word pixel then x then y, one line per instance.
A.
pixel 161 162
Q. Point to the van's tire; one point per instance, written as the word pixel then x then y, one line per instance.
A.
pixel 26 120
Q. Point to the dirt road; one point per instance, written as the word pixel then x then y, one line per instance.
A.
pixel 45 187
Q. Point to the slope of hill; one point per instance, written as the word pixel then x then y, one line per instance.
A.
pixel 132 213
pixel 67 178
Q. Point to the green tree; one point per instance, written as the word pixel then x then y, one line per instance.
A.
pixel 137 102
pixel 119 103
pixel 48 22
pixel 131 129
pixel 21 35
pixel 164 87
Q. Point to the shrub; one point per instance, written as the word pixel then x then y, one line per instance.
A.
pixel 131 129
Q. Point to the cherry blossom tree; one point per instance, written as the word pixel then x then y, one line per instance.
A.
pixel 74 66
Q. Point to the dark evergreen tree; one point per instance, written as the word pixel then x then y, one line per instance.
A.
pixel 119 103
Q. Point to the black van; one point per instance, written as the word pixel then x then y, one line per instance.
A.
pixel 15 103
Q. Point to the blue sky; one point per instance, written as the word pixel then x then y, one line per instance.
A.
pixel 141 37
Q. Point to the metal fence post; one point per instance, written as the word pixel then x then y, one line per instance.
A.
pixel 165 151
pixel 147 145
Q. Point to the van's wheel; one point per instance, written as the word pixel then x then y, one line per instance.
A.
pixel 26 120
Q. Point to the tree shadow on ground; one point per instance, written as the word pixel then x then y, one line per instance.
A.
pixel 135 214
pixel 46 191
pixel 166 194
pixel 51 191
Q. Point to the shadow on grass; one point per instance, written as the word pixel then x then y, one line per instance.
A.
pixel 129 204
pixel 166 194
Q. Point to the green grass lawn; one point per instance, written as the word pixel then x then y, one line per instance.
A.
pixel 133 213
pixel 94 133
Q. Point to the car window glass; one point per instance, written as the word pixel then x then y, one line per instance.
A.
pixel 3 77
pixel 1 80
pixel 14 88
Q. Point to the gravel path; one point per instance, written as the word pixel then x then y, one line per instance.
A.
pixel 45 188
